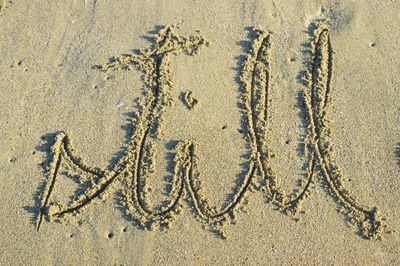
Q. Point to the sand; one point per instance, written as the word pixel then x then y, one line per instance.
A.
pixel 199 132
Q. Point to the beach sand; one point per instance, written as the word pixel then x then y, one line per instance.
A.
pixel 199 132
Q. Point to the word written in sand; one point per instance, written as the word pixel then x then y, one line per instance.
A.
pixel 134 169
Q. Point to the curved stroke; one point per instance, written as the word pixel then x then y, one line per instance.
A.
pixel 368 219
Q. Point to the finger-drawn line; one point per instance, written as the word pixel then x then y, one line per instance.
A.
pixel 55 165
pixel 370 222
pixel 98 185
pixel 256 78
pixel 200 203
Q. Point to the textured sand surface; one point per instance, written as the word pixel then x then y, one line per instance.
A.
pixel 265 97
